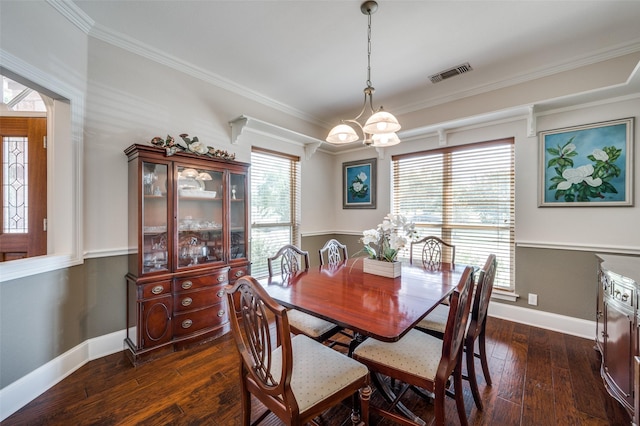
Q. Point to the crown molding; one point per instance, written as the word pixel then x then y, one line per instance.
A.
pixel 571 64
pixel 81 20
pixel 73 13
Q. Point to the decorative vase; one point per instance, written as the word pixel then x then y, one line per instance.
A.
pixel 384 269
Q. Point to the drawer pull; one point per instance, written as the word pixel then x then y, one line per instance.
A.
pixel 221 312
pixel 157 289
pixel 221 293
pixel 221 278
pixel 187 323
pixel 187 285
pixel 239 274
pixel 187 301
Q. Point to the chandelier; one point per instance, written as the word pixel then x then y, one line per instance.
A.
pixel 379 129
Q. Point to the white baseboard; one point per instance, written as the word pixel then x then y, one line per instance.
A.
pixel 547 320
pixel 27 388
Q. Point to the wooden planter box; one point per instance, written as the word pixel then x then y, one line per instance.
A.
pixel 384 269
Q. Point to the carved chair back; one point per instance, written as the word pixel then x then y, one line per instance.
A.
pixel 334 251
pixel 291 260
pixel 432 253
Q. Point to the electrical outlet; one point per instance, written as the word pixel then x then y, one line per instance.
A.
pixel 533 299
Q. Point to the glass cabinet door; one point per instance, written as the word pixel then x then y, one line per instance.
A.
pixel 199 216
pixel 154 218
pixel 238 216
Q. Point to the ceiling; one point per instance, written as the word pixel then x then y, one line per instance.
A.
pixel 310 57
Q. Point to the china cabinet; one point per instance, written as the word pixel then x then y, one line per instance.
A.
pixel 188 220
pixel 618 319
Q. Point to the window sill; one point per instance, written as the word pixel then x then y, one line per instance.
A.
pixel 504 295
pixel 35 265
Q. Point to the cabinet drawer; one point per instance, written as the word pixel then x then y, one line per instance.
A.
pixel 238 272
pixel 190 300
pixel 154 289
pixel 191 322
pixel 623 293
pixel 192 283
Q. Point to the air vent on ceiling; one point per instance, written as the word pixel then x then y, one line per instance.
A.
pixel 443 75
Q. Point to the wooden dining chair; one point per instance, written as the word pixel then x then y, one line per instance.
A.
pixel 435 323
pixel 291 260
pixel 424 361
pixel 295 378
pixel 432 253
pixel 334 251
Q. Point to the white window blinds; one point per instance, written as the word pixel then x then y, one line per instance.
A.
pixel 464 195
pixel 275 208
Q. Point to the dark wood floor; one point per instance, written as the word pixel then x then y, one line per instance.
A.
pixel 539 377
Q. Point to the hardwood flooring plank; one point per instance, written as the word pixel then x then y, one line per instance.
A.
pixel 499 334
pixel 580 368
pixel 564 407
pixel 539 357
pixel 558 350
pixel 538 404
pixel 513 376
pixel 506 413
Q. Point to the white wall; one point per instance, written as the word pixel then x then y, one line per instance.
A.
pixel 599 227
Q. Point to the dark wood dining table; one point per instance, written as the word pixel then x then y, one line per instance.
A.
pixel 370 305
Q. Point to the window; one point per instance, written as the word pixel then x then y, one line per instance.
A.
pixel 275 209
pixel 23 182
pixel 64 104
pixel 464 195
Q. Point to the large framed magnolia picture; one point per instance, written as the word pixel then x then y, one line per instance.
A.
pixel 587 165
pixel 359 184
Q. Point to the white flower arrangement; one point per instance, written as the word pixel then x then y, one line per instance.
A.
pixel 389 237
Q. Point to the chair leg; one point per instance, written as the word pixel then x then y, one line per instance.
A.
pixel 438 402
pixel 245 399
pixel 471 372
pixel 361 417
pixel 483 358
pixel 457 385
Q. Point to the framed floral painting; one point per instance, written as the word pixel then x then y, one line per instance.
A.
pixel 587 165
pixel 359 184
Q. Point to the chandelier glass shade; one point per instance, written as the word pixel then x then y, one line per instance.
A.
pixel 379 129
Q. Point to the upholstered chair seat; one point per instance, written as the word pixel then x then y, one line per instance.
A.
pixel 319 372
pixel 314 327
pixel 436 320
pixel 402 355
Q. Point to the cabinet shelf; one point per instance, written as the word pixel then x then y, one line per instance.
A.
pixel 195 198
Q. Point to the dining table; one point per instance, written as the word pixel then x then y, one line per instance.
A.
pixel 370 305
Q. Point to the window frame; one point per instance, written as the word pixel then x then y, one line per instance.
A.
pixel 65 106
pixel 447 225
pixel 295 209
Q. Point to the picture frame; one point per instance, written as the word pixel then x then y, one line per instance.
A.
pixel 588 165
pixel 359 184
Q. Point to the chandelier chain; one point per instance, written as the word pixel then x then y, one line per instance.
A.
pixel 369 51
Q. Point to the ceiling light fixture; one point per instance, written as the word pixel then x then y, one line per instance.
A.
pixel 379 130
